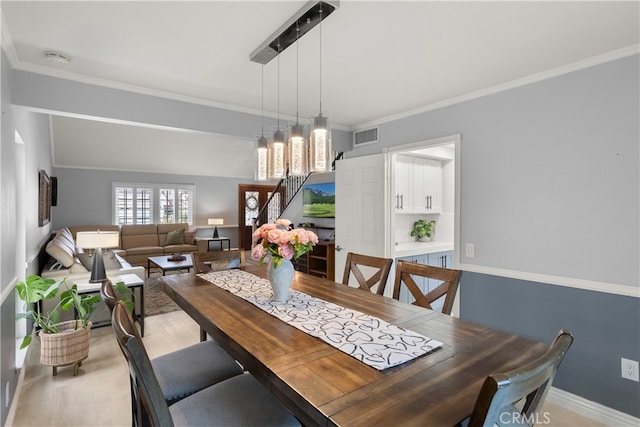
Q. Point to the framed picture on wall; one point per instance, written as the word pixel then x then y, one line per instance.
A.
pixel 44 199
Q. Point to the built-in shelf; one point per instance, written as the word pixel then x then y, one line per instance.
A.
pixel 318 262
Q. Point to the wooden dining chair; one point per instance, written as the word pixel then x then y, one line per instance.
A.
pixel 499 393
pixel 354 265
pixel 203 262
pixel 239 400
pixel 184 371
pixel 450 279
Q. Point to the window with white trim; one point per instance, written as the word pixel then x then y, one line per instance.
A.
pixel 137 203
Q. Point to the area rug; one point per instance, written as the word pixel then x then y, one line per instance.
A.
pixel 156 301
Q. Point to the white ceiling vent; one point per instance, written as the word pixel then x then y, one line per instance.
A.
pixel 364 137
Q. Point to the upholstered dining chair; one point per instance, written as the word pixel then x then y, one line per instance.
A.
pixel 184 371
pixel 204 262
pixel 450 279
pixel 239 400
pixel 354 266
pixel 499 393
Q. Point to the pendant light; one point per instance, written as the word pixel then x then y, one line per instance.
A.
pixel 297 143
pixel 320 139
pixel 262 157
pixel 278 146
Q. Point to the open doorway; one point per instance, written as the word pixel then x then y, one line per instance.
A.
pixel 424 181
pixel 424 185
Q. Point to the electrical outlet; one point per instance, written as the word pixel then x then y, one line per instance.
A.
pixel 630 369
pixel 469 250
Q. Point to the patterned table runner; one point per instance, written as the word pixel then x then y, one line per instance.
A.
pixel 373 341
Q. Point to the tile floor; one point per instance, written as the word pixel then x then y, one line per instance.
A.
pixel 99 395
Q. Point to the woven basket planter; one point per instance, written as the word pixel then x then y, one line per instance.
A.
pixel 68 347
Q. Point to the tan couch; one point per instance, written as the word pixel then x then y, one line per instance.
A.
pixel 142 241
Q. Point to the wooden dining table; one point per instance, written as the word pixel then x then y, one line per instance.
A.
pixel 322 385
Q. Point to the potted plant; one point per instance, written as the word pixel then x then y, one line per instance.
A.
pixel 423 229
pixel 62 343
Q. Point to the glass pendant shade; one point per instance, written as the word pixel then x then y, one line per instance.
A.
pixel 297 151
pixel 262 159
pixel 277 156
pixel 320 145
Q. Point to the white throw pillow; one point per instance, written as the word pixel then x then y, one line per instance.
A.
pixel 59 249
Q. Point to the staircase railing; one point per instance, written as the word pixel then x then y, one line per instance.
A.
pixel 285 191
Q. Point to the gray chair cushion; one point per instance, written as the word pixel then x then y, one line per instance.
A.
pixel 188 370
pixel 238 401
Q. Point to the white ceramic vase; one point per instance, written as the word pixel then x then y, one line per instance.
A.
pixel 280 278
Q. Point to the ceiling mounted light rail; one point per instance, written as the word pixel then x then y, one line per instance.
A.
pixel 298 25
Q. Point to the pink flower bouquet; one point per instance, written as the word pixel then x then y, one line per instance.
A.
pixel 281 241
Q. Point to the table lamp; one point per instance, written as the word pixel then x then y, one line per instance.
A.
pixel 216 222
pixel 97 240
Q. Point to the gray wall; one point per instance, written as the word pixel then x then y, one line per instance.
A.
pixel 604 326
pixel 52 94
pixel 549 185
pixel 21 238
pixel 549 173
pixel 84 197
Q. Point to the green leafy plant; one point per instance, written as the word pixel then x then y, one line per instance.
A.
pixel 37 289
pixel 423 228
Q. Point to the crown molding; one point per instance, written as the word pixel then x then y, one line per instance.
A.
pixel 533 78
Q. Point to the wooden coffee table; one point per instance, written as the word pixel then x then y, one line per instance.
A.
pixel 163 263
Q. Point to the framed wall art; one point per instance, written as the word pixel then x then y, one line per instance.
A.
pixel 44 199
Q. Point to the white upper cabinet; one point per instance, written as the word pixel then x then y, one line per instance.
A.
pixel 418 185
pixel 404 177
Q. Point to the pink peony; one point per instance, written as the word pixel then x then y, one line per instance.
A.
pixel 286 251
pixel 257 252
pixel 299 235
pixel 275 236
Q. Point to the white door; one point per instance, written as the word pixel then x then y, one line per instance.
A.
pixel 361 211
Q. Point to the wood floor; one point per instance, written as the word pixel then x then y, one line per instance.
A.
pixel 99 395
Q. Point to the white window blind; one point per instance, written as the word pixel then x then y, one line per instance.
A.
pixel 137 203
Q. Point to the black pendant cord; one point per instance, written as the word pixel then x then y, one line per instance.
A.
pixel 320 29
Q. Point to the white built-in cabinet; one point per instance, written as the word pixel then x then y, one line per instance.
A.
pixel 436 259
pixel 418 185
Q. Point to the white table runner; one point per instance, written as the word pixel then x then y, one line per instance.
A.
pixel 373 341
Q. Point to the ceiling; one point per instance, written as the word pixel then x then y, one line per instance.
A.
pixel 379 59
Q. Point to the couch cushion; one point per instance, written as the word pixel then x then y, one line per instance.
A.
pixel 61 250
pixel 145 250
pixel 66 235
pixel 163 229
pixel 190 237
pixel 175 237
pixel 135 236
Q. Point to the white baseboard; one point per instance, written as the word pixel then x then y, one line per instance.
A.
pixel 593 410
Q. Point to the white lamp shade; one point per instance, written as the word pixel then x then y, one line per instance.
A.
pixel 297 154
pixel 215 221
pixel 277 160
pixel 261 166
pixel 97 239
pixel 320 146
